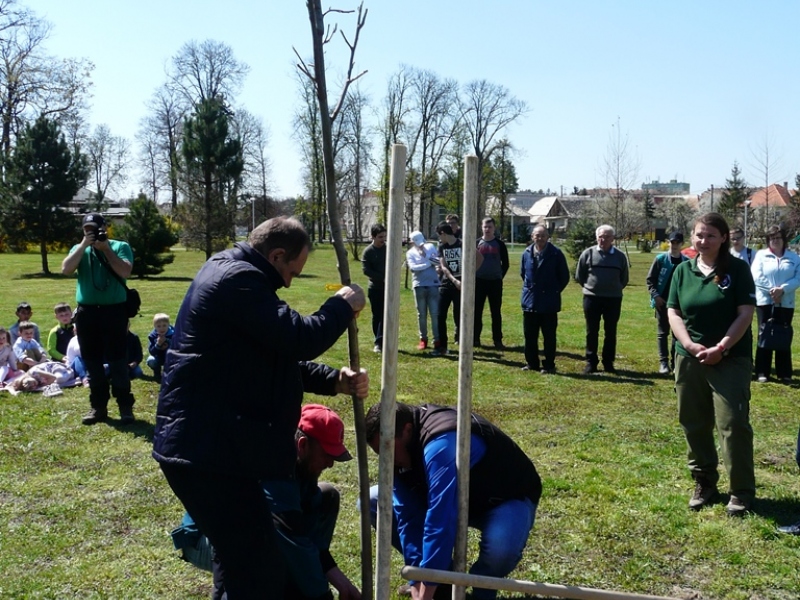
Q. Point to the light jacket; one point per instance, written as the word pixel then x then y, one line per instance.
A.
pixel 771 271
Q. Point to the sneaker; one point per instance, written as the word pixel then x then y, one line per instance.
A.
pixel 95 415
pixel 664 368
pixel 440 351
pixel 85 382
pixel 793 529
pixel 736 507
pixel 548 371
pixel 786 380
pixel 377 349
pixel 704 494
pixel 423 344
pixel 528 368
pixel 762 378
pixel 52 390
pixel 589 369
pixel 126 415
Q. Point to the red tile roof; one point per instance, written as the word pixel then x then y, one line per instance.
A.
pixel 779 197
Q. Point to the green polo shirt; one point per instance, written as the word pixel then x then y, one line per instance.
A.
pixel 96 284
pixel 709 308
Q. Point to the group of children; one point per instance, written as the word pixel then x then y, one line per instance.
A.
pixel 27 365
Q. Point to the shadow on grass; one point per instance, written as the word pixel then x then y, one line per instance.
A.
pixel 139 428
pixel 782 511
pixel 41 275
pixel 156 278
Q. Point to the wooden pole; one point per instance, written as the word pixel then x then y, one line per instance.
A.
pixel 466 332
pixel 549 590
pixel 391 331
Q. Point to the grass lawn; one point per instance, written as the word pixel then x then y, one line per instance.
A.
pixel 85 511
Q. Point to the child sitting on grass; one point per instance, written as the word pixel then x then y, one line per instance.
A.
pixel 8 360
pixel 60 335
pixel 159 340
pixel 29 352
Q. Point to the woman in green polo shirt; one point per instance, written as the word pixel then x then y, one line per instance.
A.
pixel 711 304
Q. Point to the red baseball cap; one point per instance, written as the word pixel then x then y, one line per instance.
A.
pixel 326 427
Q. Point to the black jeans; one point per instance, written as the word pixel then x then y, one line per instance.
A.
pixel 609 310
pixel 783 358
pixel 447 296
pixel 493 290
pixel 532 323
pixel 376 299
pixel 666 352
pixel 102 332
pixel 234 514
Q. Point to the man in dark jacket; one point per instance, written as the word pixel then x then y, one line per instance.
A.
pixel 219 434
pixel 504 491
pixel 489 282
pixel 544 275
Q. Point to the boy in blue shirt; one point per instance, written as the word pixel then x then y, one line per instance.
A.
pixel 159 340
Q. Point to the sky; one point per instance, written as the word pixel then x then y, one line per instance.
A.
pixel 694 85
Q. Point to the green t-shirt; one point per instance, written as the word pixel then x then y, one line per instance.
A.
pixel 96 284
pixel 709 308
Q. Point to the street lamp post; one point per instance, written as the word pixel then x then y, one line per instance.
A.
pixel 253 212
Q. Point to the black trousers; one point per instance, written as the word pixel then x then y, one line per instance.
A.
pixel 376 300
pixel 666 352
pixel 234 514
pixel 447 296
pixel 783 358
pixel 547 323
pixel 491 289
pixel 102 332
pixel 596 308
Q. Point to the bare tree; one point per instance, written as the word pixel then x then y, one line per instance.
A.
pixel 620 170
pixel 765 162
pixel 257 166
pixel 160 139
pixel 316 73
pixel 109 157
pixel 308 131
pixel 207 70
pixel 31 82
pixel 486 110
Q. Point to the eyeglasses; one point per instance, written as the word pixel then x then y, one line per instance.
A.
pixel 737 239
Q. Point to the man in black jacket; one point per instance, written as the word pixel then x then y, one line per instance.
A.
pixel 504 492
pixel 219 434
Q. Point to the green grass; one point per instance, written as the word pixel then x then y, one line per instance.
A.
pixel 85 512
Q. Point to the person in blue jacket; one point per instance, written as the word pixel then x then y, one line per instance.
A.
pixel 544 275
pixel 504 492
pixel 658 279
pixel 218 437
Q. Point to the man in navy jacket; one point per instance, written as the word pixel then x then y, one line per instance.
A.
pixel 218 434
pixel 544 275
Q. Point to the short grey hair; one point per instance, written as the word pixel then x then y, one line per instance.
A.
pixel 607 228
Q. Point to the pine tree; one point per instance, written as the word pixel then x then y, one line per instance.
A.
pixel 149 235
pixel 43 177
pixel 734 196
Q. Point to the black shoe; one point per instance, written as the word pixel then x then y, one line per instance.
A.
pixel 498 345
pixel 589 369
pixel 126 415
pixel 95 415
pixel 610 369
pixel 530 368
pixel 548 371
pixel 790 529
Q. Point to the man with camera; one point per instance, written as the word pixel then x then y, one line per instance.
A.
pixel 101 317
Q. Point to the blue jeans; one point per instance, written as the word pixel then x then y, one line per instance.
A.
pixel 504 534
pixel 427 300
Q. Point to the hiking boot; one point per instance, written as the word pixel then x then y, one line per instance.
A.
pixel 664 368
pixel 736 507
pixel 126 415
pixel 423 344
pixel 95 415
pixel 704 494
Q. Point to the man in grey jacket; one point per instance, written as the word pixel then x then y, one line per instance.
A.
pixel 603 272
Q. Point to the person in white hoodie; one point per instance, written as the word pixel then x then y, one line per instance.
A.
pixel 776 272
pixel 422 259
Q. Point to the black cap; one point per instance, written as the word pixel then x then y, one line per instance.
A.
pixel 444 227
pixel 675 236
pixel 94 219
pixel 23 306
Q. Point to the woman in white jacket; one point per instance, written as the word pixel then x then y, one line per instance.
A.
pixel 776 272
pixel 422 259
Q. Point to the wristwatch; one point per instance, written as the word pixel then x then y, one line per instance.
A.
pixel 725 351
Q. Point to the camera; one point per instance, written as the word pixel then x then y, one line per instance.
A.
pixel 101 235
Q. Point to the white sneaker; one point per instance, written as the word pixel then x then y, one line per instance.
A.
pixel 52 390
pixel 762 379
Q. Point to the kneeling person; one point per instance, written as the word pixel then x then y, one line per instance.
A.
pixel 504 492
pixel 304 512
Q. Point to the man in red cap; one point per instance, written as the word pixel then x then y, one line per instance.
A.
pixel 304 512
